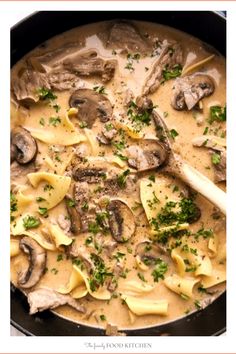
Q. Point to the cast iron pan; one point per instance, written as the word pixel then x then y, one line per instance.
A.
pixel 209 27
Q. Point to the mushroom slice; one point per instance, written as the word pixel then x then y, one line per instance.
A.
pixel 23 146
pixel 91 105
pixel 146 254
pixel 147 155
pixel 121 220
pixel 90 175
pixel 37 262
pixel 189 90
pixel 74 216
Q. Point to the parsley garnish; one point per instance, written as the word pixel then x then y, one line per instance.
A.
pixel 55 121
pixel 172 73
pixel 46 94
pixel 173 133
pixel 30 222
pixel 121 179
pixel 99 89
pixel 160 269
pixel 217 114
pixel 215 158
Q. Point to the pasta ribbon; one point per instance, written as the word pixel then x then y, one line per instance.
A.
pixel 180 285
pixel 158 191
pixel 198 259
pixel 75 281
pixel 213 246
pixel 135 288
pixel 54 191
pixel 142 307
pixel 63 134
pixel 14 248
pixel 59 237
pixel 217 277
pixel 94 146
pixel 100 294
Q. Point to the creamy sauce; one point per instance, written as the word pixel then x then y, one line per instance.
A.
pixel 115 311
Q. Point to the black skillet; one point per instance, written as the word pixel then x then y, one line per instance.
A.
pixel 207 26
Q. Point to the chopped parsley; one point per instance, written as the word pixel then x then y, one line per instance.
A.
pixel 103 318
pixel 99 274
pixel 85 206
pixel 43 211
pixel 152 178
pixel 46 94
pixel 173 133
pixel 122 157
pixel 40 199
pixel 171 73
pixel 141 277
pixel 139 118
pixel 48 187
pixel 70 203
pixel 30 222
pixel 118 255
pixel 42 121
pixel 205 233
pixel 54 271
pixel 109 127
pixel 215 158
pixel 55 121
pixel 83 125
pixel 206 131
pixel 197 304
pixel 56 107
pixel 160 269
pixel 100 89
pixel 121 179
pixel 13 204
pixel 217 114
pixel 59 257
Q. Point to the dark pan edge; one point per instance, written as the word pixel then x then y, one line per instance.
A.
pixel 189 325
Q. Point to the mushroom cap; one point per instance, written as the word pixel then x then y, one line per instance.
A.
pixel 37 262
pixel 147 251
pixel 91 105
pixel 74 216
pixel 148 154
pixel 189 90
pixel 121 220
pixel 23 146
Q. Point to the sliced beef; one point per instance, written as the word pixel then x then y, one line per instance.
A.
pixel 47 299
pixel 169 57
pixel 124 35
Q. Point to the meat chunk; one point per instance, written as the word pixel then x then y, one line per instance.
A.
pixel 89 64
pixel 124 35
pixel 170 56
pixel 47 299
pixel 59 70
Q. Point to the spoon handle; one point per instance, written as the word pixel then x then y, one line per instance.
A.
pixel 203 185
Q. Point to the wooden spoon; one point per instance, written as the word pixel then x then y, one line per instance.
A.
pixel 188 174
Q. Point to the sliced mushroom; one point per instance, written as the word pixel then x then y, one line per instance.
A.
pixel 91 105
pixel 117 270
pixel 23 146
pixel 89 175
pixel 47 299
pixel 189 90
pixel 148 252
pixel 121 220
pixel 147 155
pixel 37 262
pixel 75 219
